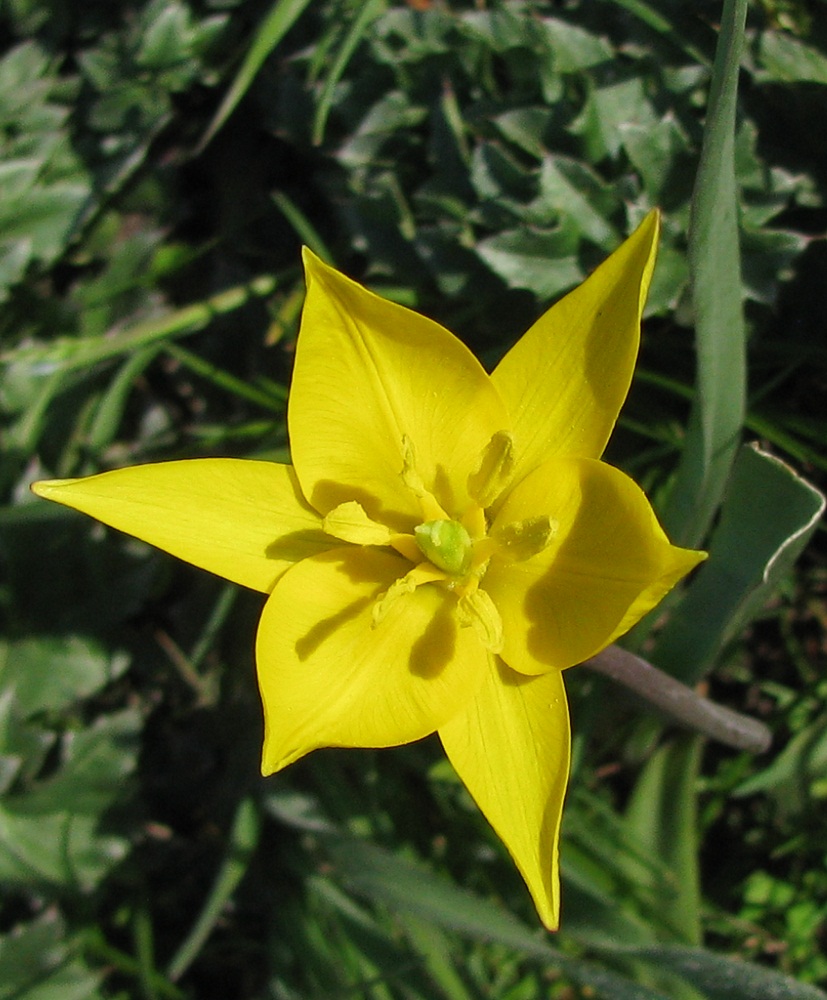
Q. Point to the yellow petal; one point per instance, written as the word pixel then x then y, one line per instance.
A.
pixel 608 563
pixel 510 747
pixel 565 380
pixel 368 374
pixel 246 521
pixel 329 678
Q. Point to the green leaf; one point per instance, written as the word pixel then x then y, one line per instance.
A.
pixel 53 672
pixel 543 261
pixel 660 153
pixel 43 185
pixel 37 964
pixel 525 128
pixel 787 59
pixel 402 884
pixel 394 881
pixel 717 416
pixel 769 514
pixel 609 108
pixel 721 978
pixel 662 819
pixel 51 834
pixel 72 354
pixel 574 49
pixel 673 30
pixel 791 780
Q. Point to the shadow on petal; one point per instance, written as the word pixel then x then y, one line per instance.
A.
pixel 435 648
pixel 299 544
pixel 508 677
pixel 611 551
pixel 309 643
pixel 328 494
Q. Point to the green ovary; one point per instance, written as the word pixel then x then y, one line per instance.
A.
pixel 446 544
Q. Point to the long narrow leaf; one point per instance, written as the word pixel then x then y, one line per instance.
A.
pixel 283 15
pixel 70 354
pixel 369 12
pixel 662 817
pixel 717 416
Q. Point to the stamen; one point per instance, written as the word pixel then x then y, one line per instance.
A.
pixel 477 610
pixel 350 523
pixel 495 469
pixel 431 509
pixel 520 540
pixel 423 573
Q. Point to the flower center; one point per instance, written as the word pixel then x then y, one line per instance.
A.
pixel 446 544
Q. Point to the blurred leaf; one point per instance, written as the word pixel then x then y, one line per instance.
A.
pixel 672 30
pixel 51 834
pixel 23 747
pixel 43 185
pixel 660 152
pixel 793 777
pixel 662 819
pixel 399 883
pixel 69 354
pixel 785 58
pixel 525 127
pixel 37 964
pixel 722 978
pixel 53 672
pixel 668 282
pixel 610 107
pixel 717 416
pixel 768 516
pixel 574 48
pixel 571 191
pixel 604 860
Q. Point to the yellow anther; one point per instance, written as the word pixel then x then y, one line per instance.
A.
pixel 520 540
pixel 431 509
pixel 495 469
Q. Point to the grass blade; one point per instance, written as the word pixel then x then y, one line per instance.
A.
pixel 243 840
pixel 371 10
pixel 283 15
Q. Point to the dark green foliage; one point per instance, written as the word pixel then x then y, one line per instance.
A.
pixel 473 160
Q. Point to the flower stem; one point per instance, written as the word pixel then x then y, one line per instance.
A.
pixel 680 702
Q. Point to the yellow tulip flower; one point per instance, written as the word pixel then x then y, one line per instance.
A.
pixel 444 545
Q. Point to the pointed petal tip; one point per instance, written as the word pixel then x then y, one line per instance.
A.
pixel 47 488
pixel 315 267
pixel 272 762
pixel 651 222
pixel 549 917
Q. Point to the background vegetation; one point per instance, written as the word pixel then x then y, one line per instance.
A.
pixel 160 164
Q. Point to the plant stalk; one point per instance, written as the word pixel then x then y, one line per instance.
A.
pixel 681 703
